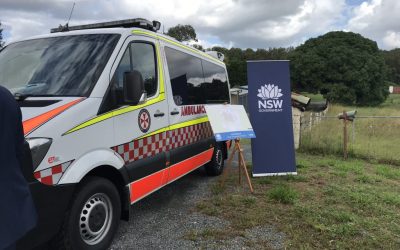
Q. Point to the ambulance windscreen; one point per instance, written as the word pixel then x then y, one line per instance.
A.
pixel 57 66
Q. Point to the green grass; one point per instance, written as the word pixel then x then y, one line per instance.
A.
pixel 330 204
pixel 283 193
pixel 371 139
pixel 393 101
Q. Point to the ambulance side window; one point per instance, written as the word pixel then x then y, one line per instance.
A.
pixel 187 79
pixel 144 61
pixel 194 80
pixel 216 83
pixel 138 56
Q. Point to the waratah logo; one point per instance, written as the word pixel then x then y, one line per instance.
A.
pixel 270 95
pixel 269 91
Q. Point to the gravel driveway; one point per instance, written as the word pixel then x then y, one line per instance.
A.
pixel 161 220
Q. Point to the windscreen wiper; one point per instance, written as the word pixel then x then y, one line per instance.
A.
pixel 19 97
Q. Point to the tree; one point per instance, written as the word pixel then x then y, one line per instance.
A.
pixel 182 33
pixel 343 66
pixel 199 47
pixel 392 60
pixel 1 37
pixel 235 60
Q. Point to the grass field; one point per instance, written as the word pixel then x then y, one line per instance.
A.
pixel 372 139
pixel 330 204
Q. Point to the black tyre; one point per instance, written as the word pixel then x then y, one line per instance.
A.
pixel 93 218
pixel 216 165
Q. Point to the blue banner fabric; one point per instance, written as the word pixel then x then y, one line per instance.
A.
pixel 271 116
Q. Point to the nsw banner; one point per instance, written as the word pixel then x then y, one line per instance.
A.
pixel 269 102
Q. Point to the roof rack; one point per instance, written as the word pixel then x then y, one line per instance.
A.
pixel 128 23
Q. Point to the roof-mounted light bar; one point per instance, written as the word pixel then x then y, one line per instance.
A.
pixel 216 54
pixel 128 23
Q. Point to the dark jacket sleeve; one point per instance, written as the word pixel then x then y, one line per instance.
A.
pixel 17 209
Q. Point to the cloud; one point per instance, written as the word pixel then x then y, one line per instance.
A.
pixel 363 14
pixel 378 20
pixel 25 25
pixel 241 23
pixel 256 24
pixel 392 39
pixel 238 23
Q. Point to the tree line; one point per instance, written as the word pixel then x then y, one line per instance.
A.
pixel 344 67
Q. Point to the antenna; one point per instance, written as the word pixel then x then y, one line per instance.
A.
pixel 70 14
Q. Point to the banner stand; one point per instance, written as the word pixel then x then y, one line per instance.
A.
pixel 270 107
pixel 242 165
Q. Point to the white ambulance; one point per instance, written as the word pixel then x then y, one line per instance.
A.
pixel 111 113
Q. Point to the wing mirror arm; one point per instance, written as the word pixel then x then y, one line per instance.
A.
pixel 143 98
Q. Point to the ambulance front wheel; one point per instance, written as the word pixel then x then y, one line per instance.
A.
pixel 94 216
pixel 216 165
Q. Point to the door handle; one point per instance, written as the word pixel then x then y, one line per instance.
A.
pixel 174 112
pixel 159 114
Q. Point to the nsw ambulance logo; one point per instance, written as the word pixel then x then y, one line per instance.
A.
pixel 270 98
pixel 144 120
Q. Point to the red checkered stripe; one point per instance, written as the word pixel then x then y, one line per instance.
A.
pixel 154 144
pixel 51 176
pixel 188 135
pixel 142 148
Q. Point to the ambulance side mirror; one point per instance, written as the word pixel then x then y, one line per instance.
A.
pixel 134 92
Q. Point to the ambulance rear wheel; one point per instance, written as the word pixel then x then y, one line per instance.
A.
pixel 94 216
pixel 216 165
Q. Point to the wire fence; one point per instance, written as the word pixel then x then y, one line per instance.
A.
pixel 373 135
pixel 369 137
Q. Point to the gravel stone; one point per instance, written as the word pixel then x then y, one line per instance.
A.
pixel 266 235
pixel 162 220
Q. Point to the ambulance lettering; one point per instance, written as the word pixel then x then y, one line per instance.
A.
pixel 192 110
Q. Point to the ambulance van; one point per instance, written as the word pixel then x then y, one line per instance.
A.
pixel 112 112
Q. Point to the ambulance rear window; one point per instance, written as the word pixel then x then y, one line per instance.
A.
pixel 196 81
pixel 216 83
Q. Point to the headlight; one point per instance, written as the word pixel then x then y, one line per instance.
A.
pixel 39 148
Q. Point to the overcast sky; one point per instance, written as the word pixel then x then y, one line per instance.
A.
pixel 237 23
